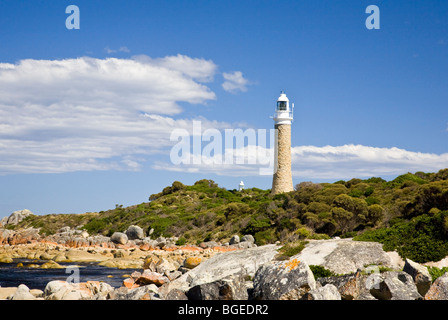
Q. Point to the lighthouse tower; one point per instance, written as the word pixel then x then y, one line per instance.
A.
pixel 282 180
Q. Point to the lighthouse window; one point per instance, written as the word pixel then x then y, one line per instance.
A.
pixel 281 105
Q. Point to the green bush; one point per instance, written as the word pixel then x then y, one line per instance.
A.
pixel 321 272
pixel 181 241
pixel 421 239
pixel 437 272
pixel 291 249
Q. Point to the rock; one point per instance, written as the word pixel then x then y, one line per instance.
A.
pixel 327 292
pixel 84 234
pixel 151 263
pixel 130 283
pixel 161 242
pixel 7 292
pixel 119 238
pixel 23 293
pixel 21 236
pixel 344 256
pixel 173 275
pixel 4 258
pixel 393 285
pixel 99 290
pixel 192 262
pixel 176 294
pixel 65 229
pixel 135 232
pixel 208 244
pixel 122 263
pixel 225 264
pixel 118 254
pixel 37 293
pixel 54 290
pixel 419 274
pixel 232 288
pixel 45 256
pixel 150 277
pixel 246 245
pixel 149 292
pixel 164 266
pixel 60 258
pixel 439 289
pixel 16 217
pixel 5 234
pixel 283 280
pixel 234 240
pixel 51 265
pixel 248 238
pixel 62 290
pixel 349 286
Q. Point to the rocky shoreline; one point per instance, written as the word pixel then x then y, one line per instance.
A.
pixel 238 270
pixel 233 273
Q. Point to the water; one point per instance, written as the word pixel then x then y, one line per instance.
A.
pixel 12 276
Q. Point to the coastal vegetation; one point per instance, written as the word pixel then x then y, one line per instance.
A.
pixel 408 214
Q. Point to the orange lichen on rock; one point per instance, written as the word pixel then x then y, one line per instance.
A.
pixel 130 283
pixel 292 264
pixel 192 262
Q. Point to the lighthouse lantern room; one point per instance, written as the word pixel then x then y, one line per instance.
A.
pixel 283 113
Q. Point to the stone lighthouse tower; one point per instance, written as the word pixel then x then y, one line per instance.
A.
pixel 282 180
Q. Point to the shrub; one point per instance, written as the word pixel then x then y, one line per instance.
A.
pixel 291 249
pixel 421 239
pixel 321 272
pixel 181 241
pixel 437 272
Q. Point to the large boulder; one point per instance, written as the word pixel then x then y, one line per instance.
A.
pixel 150 277
pixel 327 292
pixel 119 238
pixel 135 233
pixel 148 292
pixel 235 239
pixel 283 280
pixel 439 289
pixel 226 264
pixel 392 285
pixel 349 286
pixel 23 293
pixel 420 274
pixel 248 238
pixel 232 288
pixel 16 217
pixel 344 256
pixel 63 290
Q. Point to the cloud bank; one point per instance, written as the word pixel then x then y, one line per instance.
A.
pixel 116 114
pixel 94 114
pixel 327 162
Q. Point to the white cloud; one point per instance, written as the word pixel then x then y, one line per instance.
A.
pixel 198 69
pixel 328 162
pixel 348 161
pixel 121 49
pixel 91 114
pixel 234 82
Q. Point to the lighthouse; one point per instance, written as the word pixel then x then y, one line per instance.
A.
pixel 282 180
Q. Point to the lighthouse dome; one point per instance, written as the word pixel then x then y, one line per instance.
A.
pixel 283 114
pixel 283 102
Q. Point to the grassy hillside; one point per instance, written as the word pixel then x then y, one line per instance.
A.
pixel 204 211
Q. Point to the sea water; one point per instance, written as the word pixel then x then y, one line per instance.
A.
pixel 35 278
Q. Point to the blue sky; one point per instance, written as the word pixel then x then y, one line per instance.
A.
pixel 86 115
